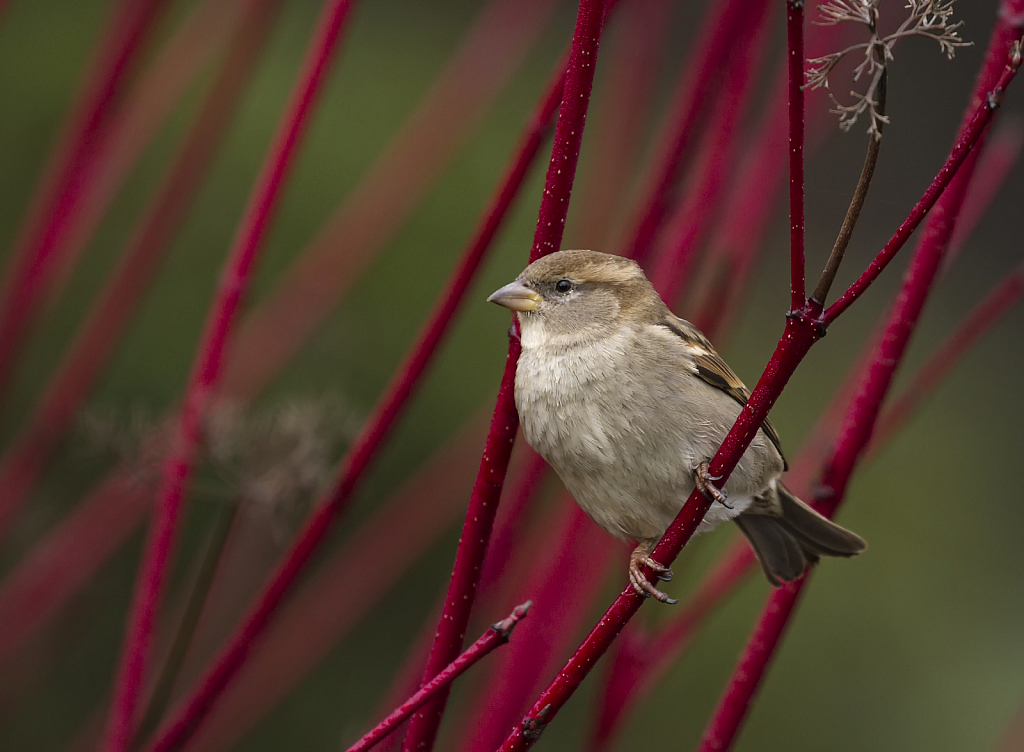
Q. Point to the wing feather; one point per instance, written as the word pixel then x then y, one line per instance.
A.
pixel 711 369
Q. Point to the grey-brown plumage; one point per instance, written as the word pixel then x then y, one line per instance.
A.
pixel 628 403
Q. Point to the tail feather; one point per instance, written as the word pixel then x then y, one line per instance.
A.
pixel 792 536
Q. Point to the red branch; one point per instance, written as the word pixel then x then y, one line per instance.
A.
pixel 995 164
pixel 206 372
pixel 566 593
pixel 494 463
pixel 99 334
pixel 494 637
pixel 33 260
pixel 795 51
pixel 864 408
pixel 802 330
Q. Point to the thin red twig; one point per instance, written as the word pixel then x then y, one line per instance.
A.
pixel 494 637
pixel 795 52
pixel 564 592
pixel 494 463
pixel 994 165
pixel 339 594
pixel 99 334
pixel 864 408
pixel 802 330
pixel 154 95
pixel 33 260
pixel 206 373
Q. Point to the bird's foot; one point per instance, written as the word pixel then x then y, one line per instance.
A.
pixel 639 559
pixel 704 479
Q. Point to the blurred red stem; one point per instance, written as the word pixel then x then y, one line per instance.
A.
pixel 693 95
pixel 33 260
pixel 261 346
pixel 802 330
pixel 100 332
pixel 204 379
pixel 494 637
pixel 365 447
pixel 483 502
pixel 795 51
pixel 982 318
pixel 706 185
pixel 864 408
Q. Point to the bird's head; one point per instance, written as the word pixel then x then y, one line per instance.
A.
pixel 578 295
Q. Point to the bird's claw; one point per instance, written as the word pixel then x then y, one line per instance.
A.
pixel 704 479
pixel 639 581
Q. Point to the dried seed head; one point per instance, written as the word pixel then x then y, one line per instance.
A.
pixel 932 19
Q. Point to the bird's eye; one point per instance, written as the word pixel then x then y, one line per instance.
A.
pixel 563 285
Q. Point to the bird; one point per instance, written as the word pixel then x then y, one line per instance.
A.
pixel 628 403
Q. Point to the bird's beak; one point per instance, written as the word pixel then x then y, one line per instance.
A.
pixel 517 297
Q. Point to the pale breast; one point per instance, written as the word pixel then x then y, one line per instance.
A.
pixel 623 424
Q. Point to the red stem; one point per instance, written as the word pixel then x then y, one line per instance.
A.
pixel 707 183
pixel 206 372
pixel 795 51
pixel 96 340
pixel 801 332
pixel 692 96
pixel 621 118
pixel 33 260
pixel 494 637
pixel 864 408
pixel 365 447
pixel 494 463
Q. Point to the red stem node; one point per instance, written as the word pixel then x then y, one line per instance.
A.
pixel 494 637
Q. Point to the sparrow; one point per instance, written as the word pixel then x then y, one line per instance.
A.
pixel 628 404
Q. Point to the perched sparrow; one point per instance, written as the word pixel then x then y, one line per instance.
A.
pixel 629 403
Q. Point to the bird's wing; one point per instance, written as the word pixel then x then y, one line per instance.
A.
pixel 711 369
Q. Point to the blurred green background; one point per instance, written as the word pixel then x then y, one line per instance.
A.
pixel 916 645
